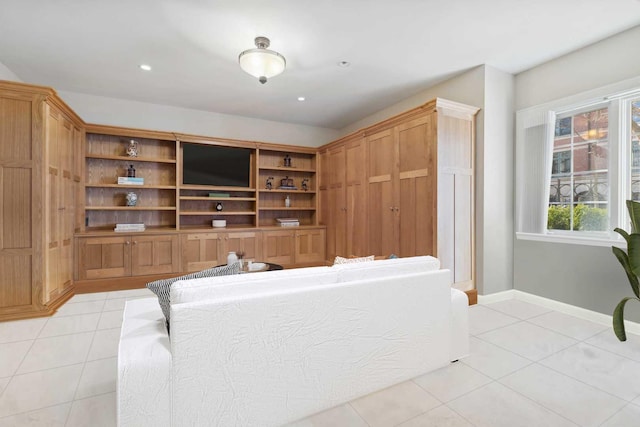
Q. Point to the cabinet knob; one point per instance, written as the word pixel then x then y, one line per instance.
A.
pixel 135 242
pixel 127 242
pixel 397 209
pixel 390 208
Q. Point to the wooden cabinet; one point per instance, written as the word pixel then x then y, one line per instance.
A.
pixel 291 173
pixel 343 198
pixel 104 257
pixel 420 178
pixel 127 255
pixel 60 202
pixel 294 247
pixel 309 246
pixel 206 250
pixel 154 254
pixel 106 159
pixel 37 184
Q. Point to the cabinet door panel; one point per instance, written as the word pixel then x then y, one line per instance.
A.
pixel 201 251
pixel 355 199
pixel 416 174
pixel 249 242
pixel 382 171
pixel 154 255
pixel 104 257
pixel 310 246
pixel 278 247
pixel 336 239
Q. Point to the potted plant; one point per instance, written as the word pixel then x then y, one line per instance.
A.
pixel 630 261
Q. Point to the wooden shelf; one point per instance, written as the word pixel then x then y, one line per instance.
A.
pixel 218 199
pixel 109 230
pixel 234 227
pixel 154 187
pixel 130 208
pixel 201 213
pixel 212 188
pixel 282 168
pixel 288 209
pixel 130 159
pixel 288 191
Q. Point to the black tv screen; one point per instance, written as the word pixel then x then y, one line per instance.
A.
pixel 215 165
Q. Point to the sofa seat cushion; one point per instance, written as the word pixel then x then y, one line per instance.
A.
pixel 162 288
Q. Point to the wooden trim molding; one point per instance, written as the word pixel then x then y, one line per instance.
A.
pixel 472 294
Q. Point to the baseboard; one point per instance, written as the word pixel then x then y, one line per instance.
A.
pixel 572 310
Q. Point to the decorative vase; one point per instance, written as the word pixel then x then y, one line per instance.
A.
pixel 132 148
pixel 132 198
pixel 232 258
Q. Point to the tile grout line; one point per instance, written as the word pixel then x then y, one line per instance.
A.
pixel 357 413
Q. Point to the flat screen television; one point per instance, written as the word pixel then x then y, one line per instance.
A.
pixel 215 165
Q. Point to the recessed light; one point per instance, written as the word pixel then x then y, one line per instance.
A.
pixel 344 64
pixel 145 67
pixel 301 98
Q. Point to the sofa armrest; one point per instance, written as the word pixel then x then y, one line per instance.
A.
pixel 144 366
pixel 459 324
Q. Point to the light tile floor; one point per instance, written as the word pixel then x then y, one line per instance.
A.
pixel 529 366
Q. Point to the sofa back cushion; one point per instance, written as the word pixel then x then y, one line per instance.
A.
pixel 246 284
pixel 386 268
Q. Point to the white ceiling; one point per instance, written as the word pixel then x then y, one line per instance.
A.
pixel 396 48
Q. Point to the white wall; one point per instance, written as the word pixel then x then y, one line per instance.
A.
pixel 119 112
pixel 496 183
pixel 606 62
pixel 588 277
pixel 7 74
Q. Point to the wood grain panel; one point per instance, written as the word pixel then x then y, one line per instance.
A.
pixel 356 198
pixel 250 242
pixel 278 247
pixel 112 145
pixel 201 251
pixel 455 140
pixel 446 221
pixel 104 257
pixel 309 245
pixel 15 281
pixel 15 202
pixel 15 129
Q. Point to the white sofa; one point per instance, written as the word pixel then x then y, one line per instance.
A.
pixel 265 349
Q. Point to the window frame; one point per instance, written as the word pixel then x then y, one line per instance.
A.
pixel 619 98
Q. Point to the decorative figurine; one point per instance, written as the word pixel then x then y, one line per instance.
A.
pixel 269 185
pixel 286 182
pixel 132 149
pixel 132 198
pixel 287 161
pixel 219 207
pixel 305 184
pixel 131 172
pixel 287 202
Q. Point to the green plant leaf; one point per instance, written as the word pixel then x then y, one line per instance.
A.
pixel 624 260
pixel 634 214
pixel 633 251
pixel 623 233
pixel 618 319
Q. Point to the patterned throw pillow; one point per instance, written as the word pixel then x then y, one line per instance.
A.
pixel 341 260
pixel 162 288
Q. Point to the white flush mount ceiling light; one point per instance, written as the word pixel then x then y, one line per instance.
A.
pixel 262 62
pixel 145 67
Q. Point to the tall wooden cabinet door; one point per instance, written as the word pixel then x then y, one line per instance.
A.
pixel 417 145
pixel 381 155
pixel 249 242
pixel 201 251
pixel 278 247
pixel 77 169
pixel 68 208
pixel 310 245
pixel 154 254
pixel 355 199
pixel 104 257
pixel 53 204
pixel 336 239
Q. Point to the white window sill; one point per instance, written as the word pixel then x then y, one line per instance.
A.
pixel 572 239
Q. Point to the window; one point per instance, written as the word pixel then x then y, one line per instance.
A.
pixel 579 185
pixel 577 161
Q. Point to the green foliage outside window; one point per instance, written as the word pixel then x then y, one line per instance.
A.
pixel 585 218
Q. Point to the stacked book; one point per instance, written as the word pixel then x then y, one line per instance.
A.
pixel 127 180
pixel 288 222
pixel 129 228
